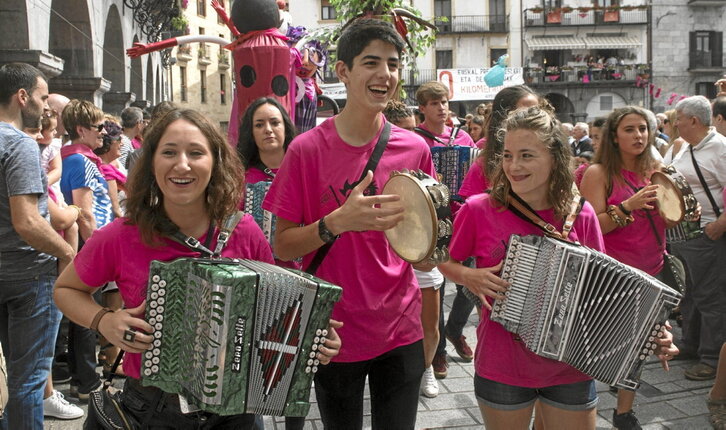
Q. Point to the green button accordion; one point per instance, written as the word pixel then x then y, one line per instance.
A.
pixel 236 336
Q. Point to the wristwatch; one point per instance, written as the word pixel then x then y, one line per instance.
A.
pixel 326 235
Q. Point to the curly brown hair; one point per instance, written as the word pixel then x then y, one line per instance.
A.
pixel 609 155
pixel 224 191
pixel 543 123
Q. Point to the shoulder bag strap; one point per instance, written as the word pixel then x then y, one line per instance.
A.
pixel 371 165
pixel 650 218
pixel 703 182
pixel 428 134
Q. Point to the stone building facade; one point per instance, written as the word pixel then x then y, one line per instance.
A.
pixel 81 44
pixel 688 50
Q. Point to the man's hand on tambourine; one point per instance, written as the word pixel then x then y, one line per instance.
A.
pixel 485 283
pixel 332 343
pixel 363 213
pixel 126 331
pixel 695 216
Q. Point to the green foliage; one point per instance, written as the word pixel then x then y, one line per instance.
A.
pixel 421 38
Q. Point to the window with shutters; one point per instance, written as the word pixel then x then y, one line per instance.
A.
pixel 706 49
pixel 706 89
pixel 327 12
pixel 444 59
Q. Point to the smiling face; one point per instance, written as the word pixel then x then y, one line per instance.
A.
pixel 182 166
pixel 268 129
pixel 373 79
pixel 92 136
pixel 631 135
pixel 527 163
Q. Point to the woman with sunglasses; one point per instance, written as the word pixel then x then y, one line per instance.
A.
pixel 83 185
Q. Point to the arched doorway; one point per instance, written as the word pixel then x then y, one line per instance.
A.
pixel 113 51
pixel 563 106
pixel 137 76
pixel 14 14
pixel 70 37
pixel 150 80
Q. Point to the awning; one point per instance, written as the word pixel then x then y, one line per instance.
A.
pixel 555 43
pixel 612 42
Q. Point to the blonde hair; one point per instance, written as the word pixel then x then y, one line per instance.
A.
pixel 549 131
pixel 671 116
pixel 80 113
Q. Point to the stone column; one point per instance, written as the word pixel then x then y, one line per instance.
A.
pixel 116 101
pixel 49 64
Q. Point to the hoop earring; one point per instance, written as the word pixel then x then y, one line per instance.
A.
pixel 153 196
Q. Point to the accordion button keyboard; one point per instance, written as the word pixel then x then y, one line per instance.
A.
pixel 325 332
pixel 161 301
pixel 308 369
pixel 154 287
pixel 312 354
pixel 315 369
pixel 162 283
pixel 162 293
pixel 155 278
pixel 154 295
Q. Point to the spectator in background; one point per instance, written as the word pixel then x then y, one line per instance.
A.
pixel 83 184
pixel 582 141
pixel 567 128
pixel 132 121
pixel 400 115
pixel 676 144
pixel 58 102
pixel 719 114
pixel 157 113
pixel 433 102
pixel 29 248
pixel 704 303
pixel 596 135
pixel 662 117
pixel 476 130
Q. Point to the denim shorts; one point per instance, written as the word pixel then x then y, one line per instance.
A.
pixel 579 396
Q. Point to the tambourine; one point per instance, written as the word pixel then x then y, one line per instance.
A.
pixel 674 196
pixel 424 233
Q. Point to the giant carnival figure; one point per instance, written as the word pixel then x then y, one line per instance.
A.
pixel 263 62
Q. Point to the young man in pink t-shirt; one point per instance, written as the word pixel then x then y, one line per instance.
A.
pixel 433 103
pixel 317 199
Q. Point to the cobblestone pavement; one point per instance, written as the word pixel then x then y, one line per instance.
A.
pixel 666 400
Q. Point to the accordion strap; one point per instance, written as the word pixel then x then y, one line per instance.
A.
pixel 430 135
pixel 520 208
pixel 225 231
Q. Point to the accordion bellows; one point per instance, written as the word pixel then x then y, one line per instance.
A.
pixel 236 336
pixel 573 304
pixel 452 164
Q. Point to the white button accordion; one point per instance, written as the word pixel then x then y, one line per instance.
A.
pixel 573 304
pixel 236 336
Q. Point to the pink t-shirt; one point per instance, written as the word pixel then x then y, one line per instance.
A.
pixel 254 175
pixel 482 230
pixel 381 301
pixel 580 173
pixel 462 138
pixel 635 244
pixel 98 262
pixel 475 182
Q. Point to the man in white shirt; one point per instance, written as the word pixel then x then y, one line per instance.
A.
pixel 704 303
pixel 719 114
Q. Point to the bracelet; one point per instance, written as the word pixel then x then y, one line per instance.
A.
pixel 617 219
pixel 622 208
pixel 97 318
pixel 78 208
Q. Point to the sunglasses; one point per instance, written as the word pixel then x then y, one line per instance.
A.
pixel 665 121
pixel 98 127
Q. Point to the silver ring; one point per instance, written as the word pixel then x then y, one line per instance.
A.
pixel 129 335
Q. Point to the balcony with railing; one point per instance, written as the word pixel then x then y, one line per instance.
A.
pixel 707 3
pixel 568 16
pixel 473 24
pixel 567 75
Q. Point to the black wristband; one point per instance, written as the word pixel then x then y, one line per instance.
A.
pixel 326 235
pixel 622 208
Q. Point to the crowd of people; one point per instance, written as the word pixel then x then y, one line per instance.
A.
pixel 91 199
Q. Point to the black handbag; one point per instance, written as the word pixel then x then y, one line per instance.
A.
pixel 105 411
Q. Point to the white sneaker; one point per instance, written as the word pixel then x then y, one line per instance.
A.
pixel 429 384
pixel 57 406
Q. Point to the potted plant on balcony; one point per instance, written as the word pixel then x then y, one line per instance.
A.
pixel 612 14
pixel 643 71
pixel 534 74
pixel 552 73
pixel 554 16
pixel 568 73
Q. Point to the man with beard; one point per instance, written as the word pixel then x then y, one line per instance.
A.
pixel 29 249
